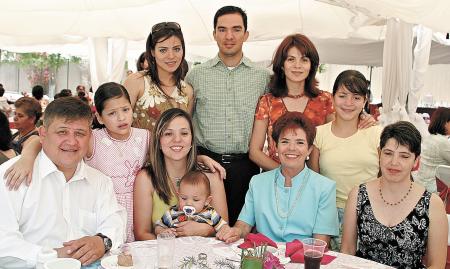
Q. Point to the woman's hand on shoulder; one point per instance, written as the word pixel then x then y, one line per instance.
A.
pixel 206 162
pixel 20 171
pixel 366 120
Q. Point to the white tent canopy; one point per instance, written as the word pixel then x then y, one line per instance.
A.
pixel 345 31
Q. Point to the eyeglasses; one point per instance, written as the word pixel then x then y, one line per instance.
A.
pixel 165 25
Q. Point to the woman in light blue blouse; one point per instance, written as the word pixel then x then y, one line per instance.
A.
pixel 291 201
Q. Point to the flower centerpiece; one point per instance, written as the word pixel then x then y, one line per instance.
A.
pixel 259 258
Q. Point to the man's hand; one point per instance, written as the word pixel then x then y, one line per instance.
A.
pixel 63 252
pixel 87 249
pixel 229 234
pixel 190 228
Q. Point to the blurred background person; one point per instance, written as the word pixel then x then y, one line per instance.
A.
pixel 435 149
pixel 6 151
pixel 28 112
pixel 4 106
pixel 38 93
pixel 142 63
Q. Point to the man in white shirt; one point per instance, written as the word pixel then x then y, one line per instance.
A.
pixel 69 206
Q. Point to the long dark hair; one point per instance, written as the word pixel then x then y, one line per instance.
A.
pixel 156 168
pixel 6 137
pixel 157 37
pixel 277 84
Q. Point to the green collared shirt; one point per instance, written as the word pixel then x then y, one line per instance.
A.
pixel 226 100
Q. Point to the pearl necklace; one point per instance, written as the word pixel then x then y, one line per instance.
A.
pixel 297 197
pixel 398 202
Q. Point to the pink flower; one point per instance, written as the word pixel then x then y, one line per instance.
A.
pixel 272 262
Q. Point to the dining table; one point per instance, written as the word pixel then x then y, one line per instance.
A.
pixel 219 255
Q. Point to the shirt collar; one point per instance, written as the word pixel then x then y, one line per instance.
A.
pixel 216 60
pixel 47 167
pixel 296 180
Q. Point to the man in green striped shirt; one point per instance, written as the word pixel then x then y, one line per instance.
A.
pixel 226 90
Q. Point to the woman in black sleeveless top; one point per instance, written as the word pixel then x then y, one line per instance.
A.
pixel 392 220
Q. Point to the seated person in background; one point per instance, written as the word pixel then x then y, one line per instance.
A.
pixel 142 64
pixel 194 196
pixel 435 149
pixel 4 106
pixel 6 152
pixel 28 112
pixel 69 206
pixel 38 93
pixel 291 201
pixel 392 220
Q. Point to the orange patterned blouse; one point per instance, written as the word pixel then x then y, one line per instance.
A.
pixel 270 107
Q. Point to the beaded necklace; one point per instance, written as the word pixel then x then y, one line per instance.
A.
pixel 297 197
pixel 398 202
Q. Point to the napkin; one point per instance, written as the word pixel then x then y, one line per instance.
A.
pixel 294 250
pixel 252 240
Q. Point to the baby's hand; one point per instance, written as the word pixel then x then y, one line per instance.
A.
pixel 169 231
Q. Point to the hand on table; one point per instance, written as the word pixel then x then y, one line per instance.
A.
pixel 87 249
pixel 229 234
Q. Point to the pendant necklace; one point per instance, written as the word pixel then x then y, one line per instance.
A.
pixel 285 215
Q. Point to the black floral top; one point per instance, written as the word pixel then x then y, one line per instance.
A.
pixel 400 246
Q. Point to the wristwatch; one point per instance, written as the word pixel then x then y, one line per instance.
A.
pixel 106 241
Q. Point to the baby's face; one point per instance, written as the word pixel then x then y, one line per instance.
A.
pixel 193 195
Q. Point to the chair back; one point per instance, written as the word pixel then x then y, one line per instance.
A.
pixel 443 184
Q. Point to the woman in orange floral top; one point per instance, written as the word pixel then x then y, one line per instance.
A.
pixel 293 87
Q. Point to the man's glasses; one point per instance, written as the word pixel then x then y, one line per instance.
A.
pixel 165 25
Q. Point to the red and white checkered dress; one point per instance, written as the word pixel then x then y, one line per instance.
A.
pixel 121 160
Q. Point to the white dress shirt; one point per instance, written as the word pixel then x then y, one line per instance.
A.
pixel 52 211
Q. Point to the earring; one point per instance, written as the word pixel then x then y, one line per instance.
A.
pixel 307 158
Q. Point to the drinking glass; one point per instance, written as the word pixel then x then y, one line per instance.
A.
pixel 166 244
pixel 144 256
pixel 313 252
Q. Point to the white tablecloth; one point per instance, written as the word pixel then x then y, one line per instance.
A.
pixel 219 251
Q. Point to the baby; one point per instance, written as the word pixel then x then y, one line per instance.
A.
pixel 194 196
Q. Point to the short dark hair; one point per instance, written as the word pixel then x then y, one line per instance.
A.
pixel 30 106
pixel 230 10
pixel 277 84
pixel 108 91
pixel 405 133
pixel 196 178
pixel 65 93
pixel 293 120
pixel 37 92
pixel 2 90
pixel 6 137
pixel 438 121
pixel 69 108
pixel 157 37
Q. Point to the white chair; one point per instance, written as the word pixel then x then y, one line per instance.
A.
pixel 443 174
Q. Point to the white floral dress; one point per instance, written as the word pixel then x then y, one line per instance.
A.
pixel 401 246
pixel 154 102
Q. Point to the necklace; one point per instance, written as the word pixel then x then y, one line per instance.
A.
pixel 297 197
pixel 398 202
pixel 177 181
pixel 296 96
